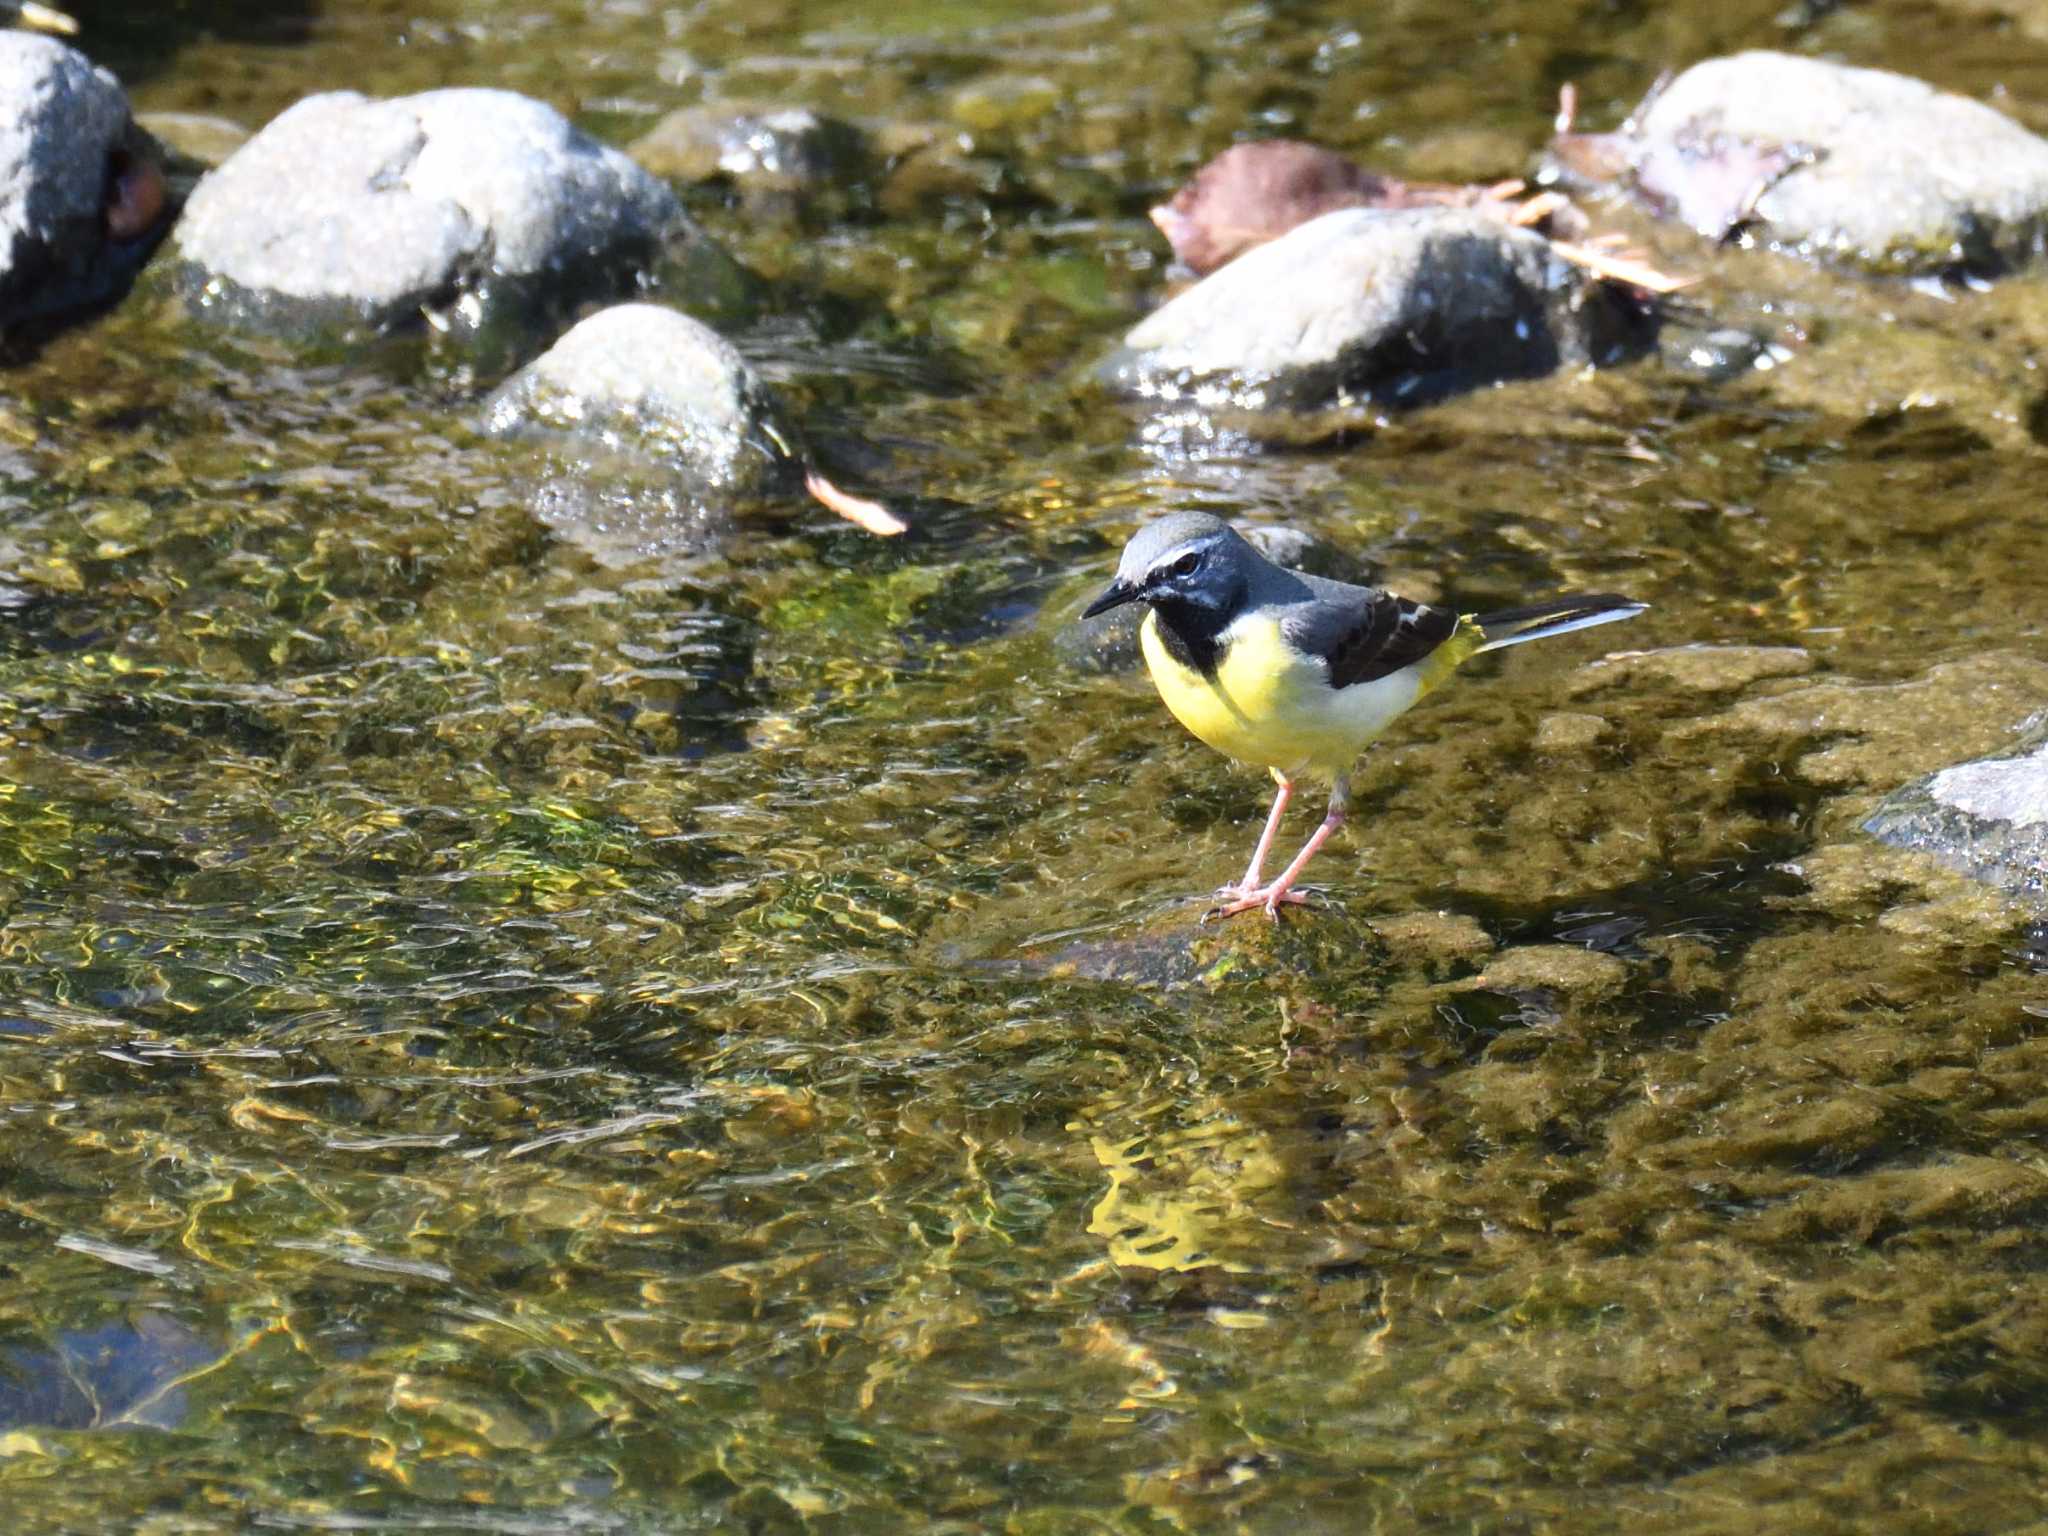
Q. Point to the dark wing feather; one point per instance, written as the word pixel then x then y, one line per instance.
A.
pixel 1363 638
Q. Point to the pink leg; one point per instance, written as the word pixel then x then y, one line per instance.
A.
pixel 1282 889
pixel 1250 882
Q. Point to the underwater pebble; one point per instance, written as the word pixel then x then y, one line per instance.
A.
pixel 469 206
pixel 1726 353
pixel 1564 731
pixel 777 151
pixel 1003 103
pixel 1398 306
pixel 82 194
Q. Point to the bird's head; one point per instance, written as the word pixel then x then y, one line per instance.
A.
pixel 1189 562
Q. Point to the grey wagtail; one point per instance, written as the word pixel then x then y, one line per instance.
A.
pixel 1296 673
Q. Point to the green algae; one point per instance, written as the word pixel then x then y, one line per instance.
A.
pixel 730 1045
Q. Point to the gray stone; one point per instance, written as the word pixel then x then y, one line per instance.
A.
pixel 1987 819
pixel 472 208
pixel 71 163
pixel 653 426
pixel 1396 307
pixel 655 383
pixel 1859 166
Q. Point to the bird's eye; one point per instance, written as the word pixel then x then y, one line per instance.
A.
pixel 1188 563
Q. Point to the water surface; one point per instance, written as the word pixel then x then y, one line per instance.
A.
pixel 498 1040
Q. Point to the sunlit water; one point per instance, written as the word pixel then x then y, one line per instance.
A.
pixel 495 1040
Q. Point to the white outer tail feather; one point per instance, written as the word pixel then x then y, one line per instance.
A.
pixel 1545 629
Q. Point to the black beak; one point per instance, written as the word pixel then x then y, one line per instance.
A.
pixel 1115 595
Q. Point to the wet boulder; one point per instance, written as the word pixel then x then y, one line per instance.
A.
pixel 479 211
pixel 1855 166
pixel 654 429
pixel 1395 307
pixel 82 196
pixel 657 384
pixel 1987 819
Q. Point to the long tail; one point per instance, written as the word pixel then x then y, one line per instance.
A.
pixel 1559 616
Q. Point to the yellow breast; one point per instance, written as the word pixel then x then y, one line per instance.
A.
pixel 1271 705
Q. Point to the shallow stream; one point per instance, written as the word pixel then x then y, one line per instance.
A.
pixel 497 1039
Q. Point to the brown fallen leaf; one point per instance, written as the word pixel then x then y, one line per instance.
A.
pixel 1252 193
pixel 1620 267
pixel 871 515
pixel 43 18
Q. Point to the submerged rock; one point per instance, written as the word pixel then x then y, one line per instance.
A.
pixel 656 424
pixel 83 197
pixel 1858 166
pixel 122 1375
pixel 1988 819
pixel 1397 307
pixel 203 139
pixel 1564 969
pixel 1692 668
pixel 1437 943
pixel 772 154
pixel 1846 734
pixel 472 209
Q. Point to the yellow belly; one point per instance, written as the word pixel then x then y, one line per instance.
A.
pixel 1271 706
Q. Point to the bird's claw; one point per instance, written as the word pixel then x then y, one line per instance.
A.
pixel 1236 899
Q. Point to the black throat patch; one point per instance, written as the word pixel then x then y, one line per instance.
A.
pixel 1190 633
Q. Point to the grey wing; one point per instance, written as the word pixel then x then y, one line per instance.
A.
pixel 1364 633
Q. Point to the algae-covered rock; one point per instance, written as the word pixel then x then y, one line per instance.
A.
pixel 1436 942
pixel 1566 969
pixel 471 208
pixel 1395 307
pixel 1879 733
pixel 1987 818
pixel 1857 166
pixel 1693 668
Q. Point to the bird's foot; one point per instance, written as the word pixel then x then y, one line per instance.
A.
pixel 1233 899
